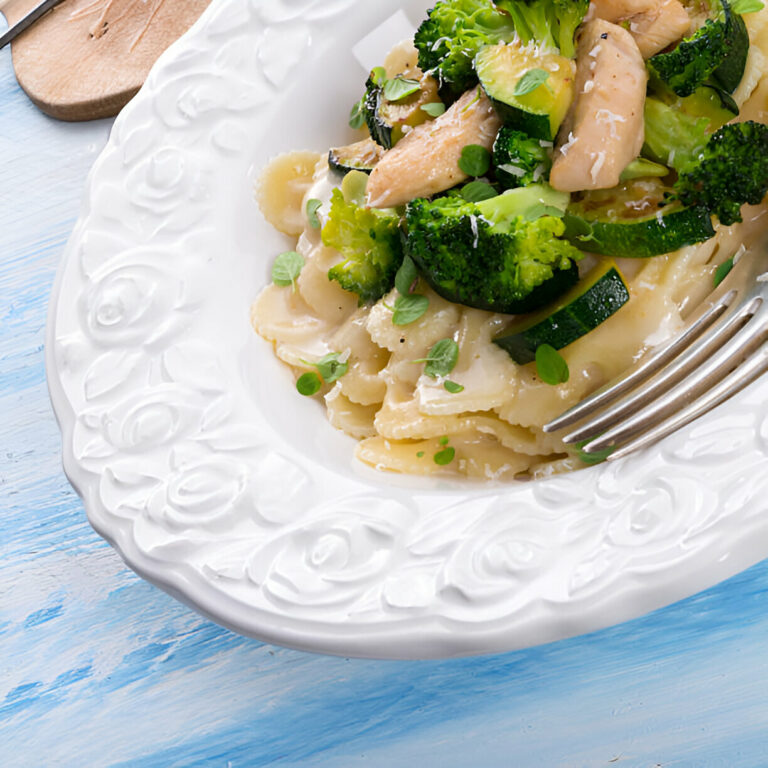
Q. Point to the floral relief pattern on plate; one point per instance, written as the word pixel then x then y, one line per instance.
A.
pixel 198 461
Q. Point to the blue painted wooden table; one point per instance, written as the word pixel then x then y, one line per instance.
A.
pixel 98 668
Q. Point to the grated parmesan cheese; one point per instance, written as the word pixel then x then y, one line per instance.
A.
pixel 606 116
pixel 513 170
pixel 588 86
pixel 597 165
pixel 568 144
pixel 475 232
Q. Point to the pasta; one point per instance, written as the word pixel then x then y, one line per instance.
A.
pixel 404 418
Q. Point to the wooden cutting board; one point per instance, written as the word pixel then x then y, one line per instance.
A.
pixel 87 58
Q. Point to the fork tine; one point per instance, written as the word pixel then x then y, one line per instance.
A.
pixel 674 373
pixel 744 375
pixel 705 377
pixel 651 365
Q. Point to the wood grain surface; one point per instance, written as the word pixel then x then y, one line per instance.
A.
pixel 98 668
pixel 86 59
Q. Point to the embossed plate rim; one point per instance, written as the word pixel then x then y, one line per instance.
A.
pixel 384 571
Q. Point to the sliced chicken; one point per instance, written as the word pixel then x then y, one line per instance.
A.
pixel 604 129
pixel 653 23
pixel 655 30
pixel 426 161
pixel 617 10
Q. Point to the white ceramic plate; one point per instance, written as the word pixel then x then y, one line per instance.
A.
pixel 214 480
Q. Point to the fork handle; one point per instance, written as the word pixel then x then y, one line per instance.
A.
pixel 27 21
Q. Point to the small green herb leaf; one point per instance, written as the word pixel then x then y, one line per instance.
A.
pixel 592 458
pixel 399 88
pixel 420 454
pixel 453 387
pixel 408 309
pixel 530 81
pixel 357 115
pixel 313 206
pixel 406 276
pixel 434 110
pixel 551 367
pixel 379 75
pixel 444 440
pixel 286 268
pixel 475 160
pixel 442 358
pixel 309 384
pixel 476 191
pixel 331 368
pixel 746 6
pixel 446 456
pixel 722 271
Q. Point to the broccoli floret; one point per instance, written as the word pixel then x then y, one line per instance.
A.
pixel 369 240
pixel 520 160
pixel 551 24
pixel 693 61
pixel 451 36
pixel 732 169
pixel 493 255
pixel 716 53
pixel 456 30
pixel 719 171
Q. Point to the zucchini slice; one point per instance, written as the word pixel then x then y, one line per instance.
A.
pixel 580 311
pixel 388 121
pixel 717 51
pixel 629 221
pixel 539 112
pixel 728 75
pixel 360 156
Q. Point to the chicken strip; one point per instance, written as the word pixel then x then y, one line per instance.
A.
pixel 617 10
pixel 426 161
pixel 604 129
pixel 655 30
pixel 653 23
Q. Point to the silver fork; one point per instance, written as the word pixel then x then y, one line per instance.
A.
pixel 721 350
